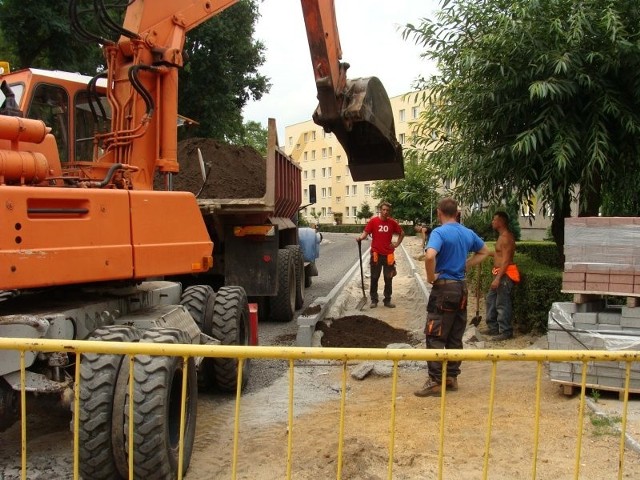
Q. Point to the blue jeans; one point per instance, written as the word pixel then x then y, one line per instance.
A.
pixel 498 304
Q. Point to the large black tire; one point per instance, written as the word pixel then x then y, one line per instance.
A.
pixel 98 378
pixel 283 305
pixel 199 301
pixel 9 402
pixel 231 327
pixel 298 263
pixel 157 404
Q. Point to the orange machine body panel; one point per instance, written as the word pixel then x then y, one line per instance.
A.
pixel 53 236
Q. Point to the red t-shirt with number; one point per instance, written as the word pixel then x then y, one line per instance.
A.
pixel 381 232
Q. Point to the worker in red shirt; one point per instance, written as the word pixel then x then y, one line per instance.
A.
pixel 382 229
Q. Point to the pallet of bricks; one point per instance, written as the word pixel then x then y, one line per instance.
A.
pixel 602 270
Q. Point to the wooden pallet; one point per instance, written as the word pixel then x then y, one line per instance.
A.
pixel 571 388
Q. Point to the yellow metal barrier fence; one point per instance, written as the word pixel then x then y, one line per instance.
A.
pixel 343 355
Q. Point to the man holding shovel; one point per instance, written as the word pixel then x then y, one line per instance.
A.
pixel 382 228
pixel 505 276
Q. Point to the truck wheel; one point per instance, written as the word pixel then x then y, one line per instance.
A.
pixel 231 327
pixel 298 263
pixel 98 376
pixel 284 303
pixel 157 405
pixel 9 402
pixel 198 300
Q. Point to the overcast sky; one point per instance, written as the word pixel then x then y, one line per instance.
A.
pixel 370 36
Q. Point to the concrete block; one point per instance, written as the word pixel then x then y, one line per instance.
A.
pixel 590 318
pixel 631 312
pixel 629 322
pixel 584 326
pixel 359 372
pixel 610 317
pixel 609 327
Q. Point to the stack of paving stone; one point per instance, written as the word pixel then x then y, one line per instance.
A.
pixel 593 326
pixel 602 258
pixel 602 255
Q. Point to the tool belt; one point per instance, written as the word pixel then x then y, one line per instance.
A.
pixel 512 272
pixel 391 259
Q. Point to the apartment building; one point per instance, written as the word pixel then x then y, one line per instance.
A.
pixel 324 164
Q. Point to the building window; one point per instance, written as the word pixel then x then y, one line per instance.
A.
pixel 324 193
pixel 306 137
pixel 329 191
pixel 354 211
pixel 305 156
pixel 354 190
pixel 297 146
pixel 401 138
pixel 331 151
pixel 324 173
pixel 313 136
pixel 346 191
pixel 414 112
pixel 346 169
pixel 329 172
pixel 324 153
pixel 304 174
pixel 313 174
pixel 305 194
pixel 290 141
pixel 402 115
pixel 367 189
pixel 329 211
pixel 313 154
pixel 338 158
pixel 346 212
pixel 338 199
pixel 324 211
pixel 338 179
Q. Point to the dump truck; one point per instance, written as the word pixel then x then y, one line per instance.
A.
pixel 90 249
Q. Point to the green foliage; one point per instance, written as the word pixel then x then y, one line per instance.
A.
pixel 37 33
pixel 480 222
pixel 545 253
pixel 415 195
pixel 221 73
pixel 254 135
pixel 540 286
pixel 534 98
pixel 365 212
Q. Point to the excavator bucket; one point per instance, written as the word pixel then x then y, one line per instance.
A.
pixel 367 133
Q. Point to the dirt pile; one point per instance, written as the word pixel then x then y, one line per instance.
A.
pixel 232 171
pixel 361 331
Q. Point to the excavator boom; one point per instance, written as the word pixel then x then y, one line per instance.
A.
pixel 357 111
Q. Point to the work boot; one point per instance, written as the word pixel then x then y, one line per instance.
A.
pixel 501 336
pixel 388 304
pixel 374 304
pixel 488 331
pixel 452 383
pixel 430 389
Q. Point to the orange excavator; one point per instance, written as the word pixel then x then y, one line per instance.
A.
pixel 86 241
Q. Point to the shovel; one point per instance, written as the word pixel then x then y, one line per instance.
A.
pixel 363 300
pixel 475 321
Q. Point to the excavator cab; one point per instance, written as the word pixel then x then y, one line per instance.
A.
pixel 357 111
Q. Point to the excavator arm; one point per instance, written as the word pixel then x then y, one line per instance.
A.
pixel 357 111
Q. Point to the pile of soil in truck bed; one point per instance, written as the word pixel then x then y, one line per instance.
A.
pixel 232 171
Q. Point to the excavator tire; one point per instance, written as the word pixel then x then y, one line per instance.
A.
pixel 157 406
pixel 199 301
pixel 9 403
pixel 298 262
pixel 230 326
pixel 98 377
pixel 283 305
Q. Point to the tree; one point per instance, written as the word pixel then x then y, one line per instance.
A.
pixel 534 98
pixel 221 73
pixel 365 212
pixel 38 34
pixel 415 195
pixel 254 135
